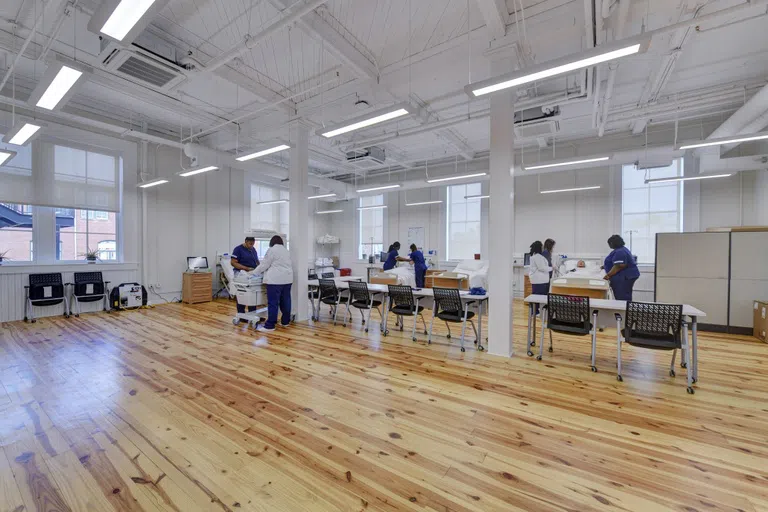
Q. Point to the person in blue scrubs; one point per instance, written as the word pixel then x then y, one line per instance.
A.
pixel 244 258
pixel 621 269
pixel 419 265
pixel 393 257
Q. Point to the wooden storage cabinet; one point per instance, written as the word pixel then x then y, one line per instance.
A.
pixel 197 287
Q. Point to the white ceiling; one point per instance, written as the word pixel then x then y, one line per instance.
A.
pixel 390 51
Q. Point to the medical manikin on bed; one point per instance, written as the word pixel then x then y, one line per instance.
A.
pixel 248 288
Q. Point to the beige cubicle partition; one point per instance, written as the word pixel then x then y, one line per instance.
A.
pixel 749 277
pixel 693 268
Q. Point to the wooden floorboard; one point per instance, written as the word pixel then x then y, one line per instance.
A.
pixel 176 409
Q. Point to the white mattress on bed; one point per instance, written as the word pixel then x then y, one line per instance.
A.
pixel 405 275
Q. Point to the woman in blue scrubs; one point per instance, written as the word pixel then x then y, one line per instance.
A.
pixel 419 265
pixel 621 269
pixel 392 256
pixel 549 250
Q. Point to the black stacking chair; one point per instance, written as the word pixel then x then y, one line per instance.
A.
pixel 44 290
pixel 568 314
pixel 656 327
pixel 449 308
pixel 361 298
pixel 313 294
pixel 328 275
pixel 403 303
pixel 331 296
pixel 89 287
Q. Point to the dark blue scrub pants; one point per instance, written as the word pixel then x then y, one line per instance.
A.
pixel 241 308
pixel 539 289
pixel 421 274
pixel 278 296
pixel 622 288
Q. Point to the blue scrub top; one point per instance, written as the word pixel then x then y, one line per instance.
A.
pixel 248 258
pixel 547 255
pixel 622 256
pixel 391 260
pixel 417 257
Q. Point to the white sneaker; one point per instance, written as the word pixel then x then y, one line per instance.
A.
pixel 263 328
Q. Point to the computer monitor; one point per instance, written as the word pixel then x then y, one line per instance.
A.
pixel 197 262
pixel 383 257
pixel 526 259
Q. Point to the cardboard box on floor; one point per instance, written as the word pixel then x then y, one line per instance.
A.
pixel 761 320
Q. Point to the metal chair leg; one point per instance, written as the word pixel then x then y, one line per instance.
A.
pixel 594 340
pixel 618 348
pixel 531 329
pixel 672 364
pixel 463 329
pixel 449 329
pixel 66 307
pixel 347 312
pixel 413 331
pixel 335 312
pixel 431 324
pixel 543 328
pixel 551 348
pixel 423 321
pixel 689 371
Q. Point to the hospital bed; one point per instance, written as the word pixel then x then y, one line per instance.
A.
pixel 467 274
pixel 248 288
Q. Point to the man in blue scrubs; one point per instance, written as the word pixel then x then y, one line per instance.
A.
pixel 621 269
pixel 419 265
pixel 244 258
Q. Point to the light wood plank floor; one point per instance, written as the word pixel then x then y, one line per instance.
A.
pixel 174 408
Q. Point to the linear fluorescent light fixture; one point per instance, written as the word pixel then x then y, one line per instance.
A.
pixel 557 67
pixel 58 84
pixel 575 189
pixel 152 183
pixel 322 196
pixel 453 178
pixel 366 120
pixel 692 178
pixel 374 207
pixel 23 132
pixel 274 201
pixel 5 156
pixel 124 20
pixel 192 172
pixel 566 163
pixel 422 203
pixel 374 189
pixel 325 212
pixel 725 140
pixel 477 197
pixel 265 152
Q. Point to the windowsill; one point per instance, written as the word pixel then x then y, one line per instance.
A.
pixel 64 266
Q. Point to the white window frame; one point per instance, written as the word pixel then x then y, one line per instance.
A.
pixel 679 162
pixel 90 216
pixel 363 243
pixel 448 204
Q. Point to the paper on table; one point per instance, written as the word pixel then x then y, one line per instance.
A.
pixel 89 289
pixel 47 291
pixel 594 282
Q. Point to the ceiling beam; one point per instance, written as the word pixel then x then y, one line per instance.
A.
pixel 495 15
pixel 464 149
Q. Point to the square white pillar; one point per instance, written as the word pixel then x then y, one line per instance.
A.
pixel 298 217
pixel 501 224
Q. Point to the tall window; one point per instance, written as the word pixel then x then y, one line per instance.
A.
pixel 79 231
pixel 268 217
pixel 650 208
pixel 16 224
pixel 463 222
pixel 371 235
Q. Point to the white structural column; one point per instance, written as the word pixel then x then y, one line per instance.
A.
pixel 501 223
pixel 298 217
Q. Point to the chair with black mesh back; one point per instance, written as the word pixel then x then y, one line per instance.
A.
pixel 313 294
pixel 331 296
pixel 328 275
pixel 89 287
pixel 361 298
pixel 44 290
pixel 402 303
pixel 451 309
pixel 656 327
pixel 571 315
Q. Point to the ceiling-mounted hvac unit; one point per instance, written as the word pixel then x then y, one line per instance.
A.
pixel 537 122
pixel 141 66
pixel 366 158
